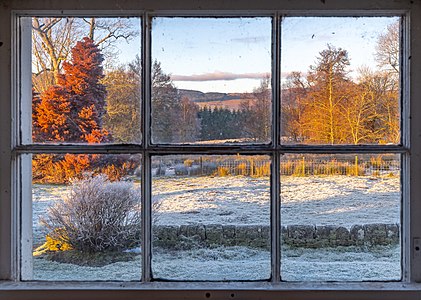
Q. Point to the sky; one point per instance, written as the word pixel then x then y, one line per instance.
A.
pixel 234 54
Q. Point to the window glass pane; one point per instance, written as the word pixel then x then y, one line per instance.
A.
pixel 86 217
pixel 210 217
pixel 86 80
pixel 211 80
pixel 340 80
pixel 340 217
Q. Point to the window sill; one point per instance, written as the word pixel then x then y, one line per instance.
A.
pixel 214 290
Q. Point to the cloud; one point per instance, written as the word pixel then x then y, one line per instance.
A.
pixel 215 76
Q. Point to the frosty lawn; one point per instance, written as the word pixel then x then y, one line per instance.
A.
pixel 238 200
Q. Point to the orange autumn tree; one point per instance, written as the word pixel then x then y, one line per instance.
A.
pixel 71 111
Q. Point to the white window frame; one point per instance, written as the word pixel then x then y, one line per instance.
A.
pixel 14 143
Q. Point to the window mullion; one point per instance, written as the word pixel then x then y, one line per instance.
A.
pixel 146 218
pixel 275 180
pixel 408 265
pixel 146 159
pixel 146 80
pixel 275 218
pixel 23 163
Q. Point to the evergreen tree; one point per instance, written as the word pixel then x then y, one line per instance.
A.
pixel 220 124
pixel 72 110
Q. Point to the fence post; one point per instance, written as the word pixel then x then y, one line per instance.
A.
pixel 201 165
pixel 356 165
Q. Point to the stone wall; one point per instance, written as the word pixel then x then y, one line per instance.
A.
pixel 258 236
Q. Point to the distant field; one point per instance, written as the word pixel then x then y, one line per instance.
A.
pixel 232 104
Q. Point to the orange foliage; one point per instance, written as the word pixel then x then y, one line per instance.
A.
pixel 57 169
pixel 72 111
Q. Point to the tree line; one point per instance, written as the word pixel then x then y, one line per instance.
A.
pixel 329 107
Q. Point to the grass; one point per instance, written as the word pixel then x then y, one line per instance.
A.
pixel 96 259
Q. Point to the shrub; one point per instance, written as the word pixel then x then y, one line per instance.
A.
pixel 376 174
pixel 160 170
pixel 195 170
pixel 138 171
pixel 223 171
pixel 52 244
pixel 352 170
pixel 188 162
pixel 209 168
pixel 96 216
pixel 50 168
pixel 181 170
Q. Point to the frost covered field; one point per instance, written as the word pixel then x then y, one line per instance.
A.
pixel 239 200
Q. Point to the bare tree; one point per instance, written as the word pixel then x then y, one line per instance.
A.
pixel 384 90
pixel 53 39
pixel 106 31
pixel 328 80
pixel 293 96
pixel 388 49
pixel 189 125
pixel 360 113
pixel 257 112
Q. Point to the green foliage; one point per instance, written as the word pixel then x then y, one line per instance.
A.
pixel 221 124
pixel 173 119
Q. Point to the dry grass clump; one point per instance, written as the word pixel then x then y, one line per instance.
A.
pixel 223 171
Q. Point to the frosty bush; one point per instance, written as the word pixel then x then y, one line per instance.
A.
pixel 209 168
pixel 96 216
pixel 161 170
pixel 181 170
pixel 195 170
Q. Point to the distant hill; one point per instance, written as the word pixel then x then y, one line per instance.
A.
pixel 215 99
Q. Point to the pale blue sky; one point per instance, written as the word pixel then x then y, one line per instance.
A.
pixel 214 48
pixel 303 39
pixel 233 54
